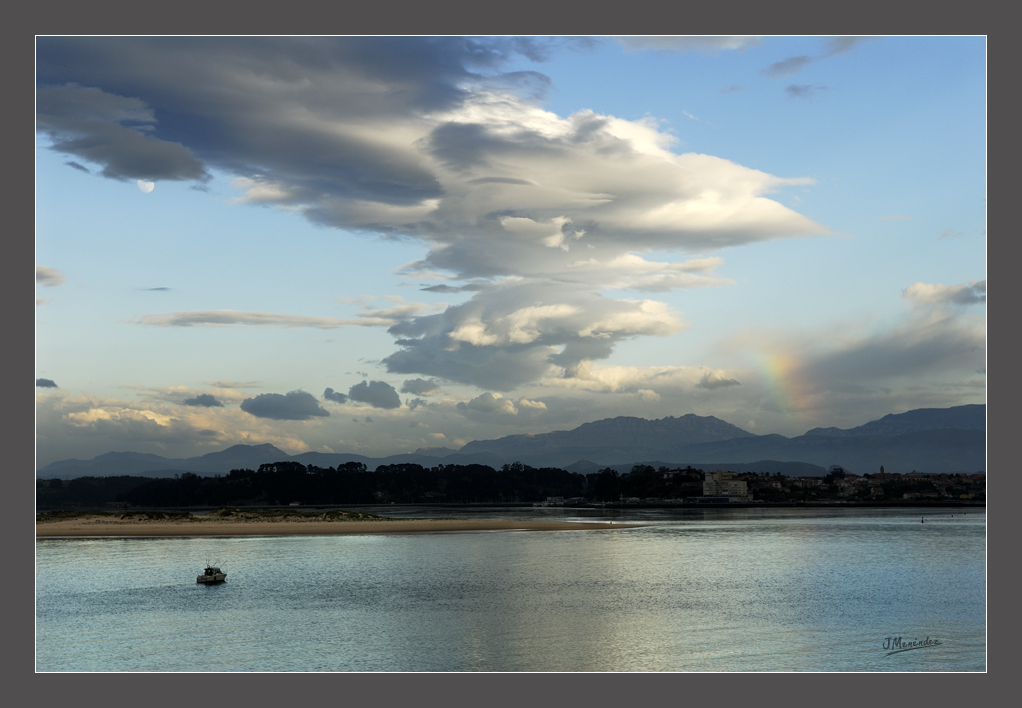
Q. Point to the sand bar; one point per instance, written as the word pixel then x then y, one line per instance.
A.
pixel 200 527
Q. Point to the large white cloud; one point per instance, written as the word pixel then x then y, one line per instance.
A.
pixel 426 138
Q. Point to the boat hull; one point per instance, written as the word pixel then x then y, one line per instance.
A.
pixel 215 578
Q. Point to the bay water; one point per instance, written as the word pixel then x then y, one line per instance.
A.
pixel 688 590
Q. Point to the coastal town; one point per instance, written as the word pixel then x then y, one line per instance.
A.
pixel 839 485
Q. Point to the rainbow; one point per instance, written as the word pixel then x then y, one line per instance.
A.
pixel 785 385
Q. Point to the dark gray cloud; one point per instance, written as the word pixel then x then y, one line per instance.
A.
pixel 72 163
pixel 334 396
pixel 803 90
pixel 199 92
pixel 91 124
pixel 420 387
pixel 49 277
pixel 838 45
pixel 296 405
pixel 378 394
pixel 45 383
pixel 793 65
pixel 205 400
pixel 945 345
pixel 789 66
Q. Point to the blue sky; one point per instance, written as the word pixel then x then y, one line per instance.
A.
pixel 781 232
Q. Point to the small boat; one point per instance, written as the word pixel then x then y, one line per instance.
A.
pixel 212 574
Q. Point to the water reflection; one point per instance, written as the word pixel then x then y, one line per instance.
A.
pixel 692 590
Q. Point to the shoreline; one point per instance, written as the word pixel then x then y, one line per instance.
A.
pixel 101 527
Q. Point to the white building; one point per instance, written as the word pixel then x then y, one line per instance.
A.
pixel 723 484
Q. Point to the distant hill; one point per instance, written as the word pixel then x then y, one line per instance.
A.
pixel 612 439
pixel 922 419
pixel 927 440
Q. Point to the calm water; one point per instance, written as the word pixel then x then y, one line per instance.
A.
pixel 700 590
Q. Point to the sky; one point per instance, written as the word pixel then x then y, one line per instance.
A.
pixel 378 244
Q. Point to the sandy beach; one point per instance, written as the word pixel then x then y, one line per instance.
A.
pixel 111 525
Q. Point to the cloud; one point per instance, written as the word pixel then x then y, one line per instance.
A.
pixel 789 66
pixel 716 379
pixel 504 337
pixel 378 394
pixel 935 346
pixel 793 65
pixel 232 384
pixel 702 45
pixel 685 381
pixel 496 404
pixel 537 215
pixel 205 400
pixel 49 277
pixel 803 90
pixel 471 287
pixel 296 405
pixel 839 45
pixel 950 233
pixel 90 123
pixel 334 396
pixel 732 89
pixel 420 387
pixel 45 383
pixel 156 290
pixel 971 293
pixel 72 163
pixel 227 318
pixel 385 317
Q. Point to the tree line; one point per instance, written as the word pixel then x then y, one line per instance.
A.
pixel 282 483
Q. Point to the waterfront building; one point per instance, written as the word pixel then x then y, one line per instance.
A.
pixel 724 484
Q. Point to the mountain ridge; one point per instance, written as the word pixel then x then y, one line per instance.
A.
pixel 900 442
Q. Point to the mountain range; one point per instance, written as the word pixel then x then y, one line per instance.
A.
pixel 931 440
